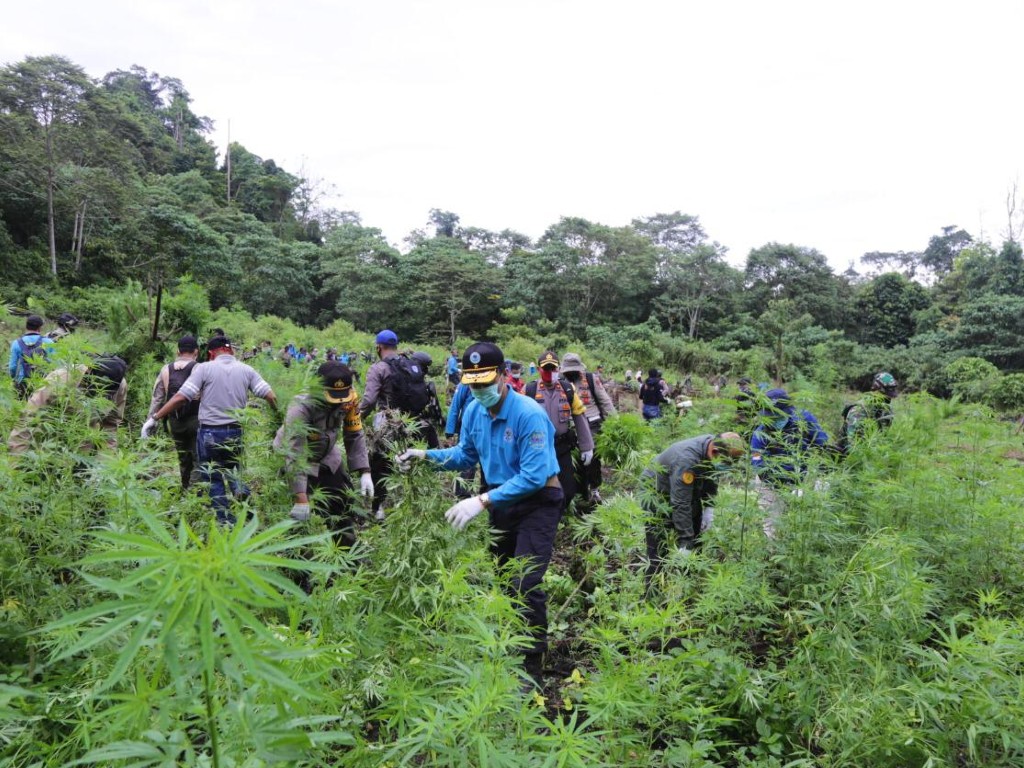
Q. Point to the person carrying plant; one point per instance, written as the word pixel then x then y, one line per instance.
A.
pixel 183 424
pixel 512 439
pixel 309 439
pixel 561 402
pixel 222 387
pixel 678 489
pixel 28 352
pixel 875 407
pixel 396 386
pixel 598 406
pixel 779 449
pixel 97 388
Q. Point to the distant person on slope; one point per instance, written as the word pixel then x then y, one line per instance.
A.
pixel 875 408
pixel 29 352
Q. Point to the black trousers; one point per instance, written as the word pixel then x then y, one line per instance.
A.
pixel 380 463
pixel 183 432
pixel 337 511
pixel 566 472
pixel 526 530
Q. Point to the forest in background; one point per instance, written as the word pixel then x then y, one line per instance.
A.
pixel 112 182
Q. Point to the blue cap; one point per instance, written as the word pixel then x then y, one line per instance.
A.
pixel 387 338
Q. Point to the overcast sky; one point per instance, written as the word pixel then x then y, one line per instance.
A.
pixel 848 129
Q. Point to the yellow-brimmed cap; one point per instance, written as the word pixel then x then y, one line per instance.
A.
pixel 481 363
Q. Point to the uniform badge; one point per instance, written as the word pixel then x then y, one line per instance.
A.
pixel 537 440
pixel 509 437
pixel 688 478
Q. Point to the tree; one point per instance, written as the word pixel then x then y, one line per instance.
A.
pixel 943 249
pixel 992 327
pixel 800 274
pixel 886 309
pixel 905 263
pixel 779 321
pixel 448 289
pixel 52 91
pixel 358 270
pixel 693 284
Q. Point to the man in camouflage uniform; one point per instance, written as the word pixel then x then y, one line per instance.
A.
pixel 875 407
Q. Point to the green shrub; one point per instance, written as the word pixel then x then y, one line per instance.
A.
pixel 1007 394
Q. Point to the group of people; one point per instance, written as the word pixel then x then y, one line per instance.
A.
pixel 531 442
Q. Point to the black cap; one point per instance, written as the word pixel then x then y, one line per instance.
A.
pixel 654 373
pixel 337 380
pixel 218 342
pixel 33 323
pixel 187 344
pixel 481 363
pixel 548 360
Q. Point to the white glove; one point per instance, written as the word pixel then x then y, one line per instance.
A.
pixel 460 515
pixel 587 457
pixel 404 459
pixel 707 518
pixel 366 485
pixel 149 428
pixel 300 512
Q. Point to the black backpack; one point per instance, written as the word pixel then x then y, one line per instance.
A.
pixel 843 443
pixel 106 372
pixel 172 383
pixel 32 355
pixel 406 386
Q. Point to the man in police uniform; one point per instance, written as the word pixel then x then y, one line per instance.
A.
pixel 680 485
pixel 309 437
pixel 564 407
pixel 599 406
pixel 512 439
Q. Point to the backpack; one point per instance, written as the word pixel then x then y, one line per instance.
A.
pixel 32 355
pixel 593 394
pixel 106 372
pixel 407 386
pixel 843 441
pixel 173 379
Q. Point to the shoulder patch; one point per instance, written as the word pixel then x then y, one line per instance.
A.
pixel 688 478
pixel 537 440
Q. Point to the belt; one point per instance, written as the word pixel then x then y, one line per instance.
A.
pixel 229 425
pixel 551 483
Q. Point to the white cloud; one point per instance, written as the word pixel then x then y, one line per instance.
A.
pixel 846 128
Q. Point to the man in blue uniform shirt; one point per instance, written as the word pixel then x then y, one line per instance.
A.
pixel 512 439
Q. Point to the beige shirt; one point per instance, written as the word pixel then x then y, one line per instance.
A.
pixel 104 413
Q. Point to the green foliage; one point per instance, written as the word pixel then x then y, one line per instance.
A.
pixel 1007 394
pixel 972 378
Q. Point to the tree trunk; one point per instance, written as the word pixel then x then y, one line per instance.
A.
pixel 50 225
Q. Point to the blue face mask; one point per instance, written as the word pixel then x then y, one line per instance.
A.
pixel 488 397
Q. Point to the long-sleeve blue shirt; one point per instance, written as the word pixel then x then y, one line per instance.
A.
pixel 778 452
pixel 16 363
pixel 455 408
pixel 515 449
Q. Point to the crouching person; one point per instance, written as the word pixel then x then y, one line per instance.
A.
pixel 680 486
pixel 97 388
pixel 309 439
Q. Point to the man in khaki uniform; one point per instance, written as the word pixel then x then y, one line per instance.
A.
pixel 99 388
